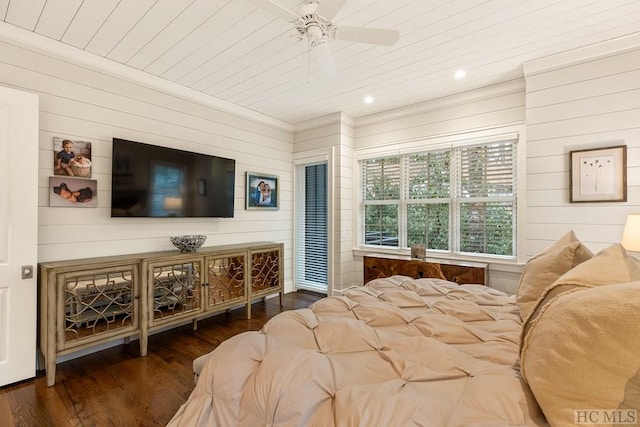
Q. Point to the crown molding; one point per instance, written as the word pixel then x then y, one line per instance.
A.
pixel 318 122
pixel 46 46
pixel 582 54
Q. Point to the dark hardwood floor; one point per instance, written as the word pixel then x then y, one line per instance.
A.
pixel 117 387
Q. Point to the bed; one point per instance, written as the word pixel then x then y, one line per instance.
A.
pixel 401 351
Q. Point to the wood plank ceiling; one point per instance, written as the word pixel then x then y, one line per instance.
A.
pixel 231 50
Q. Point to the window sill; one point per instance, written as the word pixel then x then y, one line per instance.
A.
pixel 496 263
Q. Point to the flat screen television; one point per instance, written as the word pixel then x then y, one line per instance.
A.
pixel 152 181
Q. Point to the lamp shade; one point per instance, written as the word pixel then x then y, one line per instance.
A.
pixel 631 234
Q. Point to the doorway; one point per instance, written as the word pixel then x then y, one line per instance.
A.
pixel 312 227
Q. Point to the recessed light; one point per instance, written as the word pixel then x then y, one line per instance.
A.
pixel 368 99
pixel 460 74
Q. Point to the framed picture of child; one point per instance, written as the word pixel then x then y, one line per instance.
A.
pixel 262 191
pixel 71 157
pixel 65 191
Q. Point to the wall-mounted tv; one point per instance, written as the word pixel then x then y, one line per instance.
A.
pixel 152 181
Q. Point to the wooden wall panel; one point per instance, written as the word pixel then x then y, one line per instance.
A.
pixel 576 105
pixel 79 102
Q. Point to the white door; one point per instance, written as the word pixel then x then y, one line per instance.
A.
pixel 18 234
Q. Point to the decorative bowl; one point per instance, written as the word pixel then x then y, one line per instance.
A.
pixel 189 242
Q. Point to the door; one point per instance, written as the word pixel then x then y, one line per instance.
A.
pixel 18 234
pixel 312 228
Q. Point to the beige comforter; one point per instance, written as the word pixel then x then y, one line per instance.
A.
pixel 396 352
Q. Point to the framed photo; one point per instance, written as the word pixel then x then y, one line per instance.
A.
pixel 71 157
pixel 262 191
pixel 65 191
pixel 598 175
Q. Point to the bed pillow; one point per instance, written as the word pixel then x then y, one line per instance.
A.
pixel 610 266
pixel 582 353
pixel 546 267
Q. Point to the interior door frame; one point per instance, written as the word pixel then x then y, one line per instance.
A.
pixel 310 157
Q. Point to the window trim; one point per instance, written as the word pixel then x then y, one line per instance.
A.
pixel 515 132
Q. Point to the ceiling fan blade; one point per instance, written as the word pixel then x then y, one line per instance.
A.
pixel 322 53
pixel 275 9
pixel 330 8
pixel 367 35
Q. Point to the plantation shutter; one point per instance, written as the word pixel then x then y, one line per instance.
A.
pixel 382 179
pixel 486 194
pixel 428 194
pixel 381 199
pixel 456 200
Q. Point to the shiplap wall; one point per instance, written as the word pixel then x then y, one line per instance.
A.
pixel 583 104
pixel 77 102
pixel 350 273
pixel 335 133
pixel 587 98
pixel 589 103
pixel 491 110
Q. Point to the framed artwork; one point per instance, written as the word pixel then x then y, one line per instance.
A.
pixel 262 191
pixel 71 158
pixel 65 191
pixel 598 175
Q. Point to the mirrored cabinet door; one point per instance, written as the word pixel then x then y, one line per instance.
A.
pixel 96 304
pixel 226 279
pixel 175 290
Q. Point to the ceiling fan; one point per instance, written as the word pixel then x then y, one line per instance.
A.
pixel 312 20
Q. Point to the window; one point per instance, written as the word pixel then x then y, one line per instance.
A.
pixel 455 200
pixel 428 195
pixel 382 201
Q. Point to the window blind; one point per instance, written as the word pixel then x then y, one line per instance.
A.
pixel 312 230
pixel 382 179
pixel 428 193
pixel 381 196
pixel 461 199
pixel 486 197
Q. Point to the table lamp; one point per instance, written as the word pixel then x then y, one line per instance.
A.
pixel 631 234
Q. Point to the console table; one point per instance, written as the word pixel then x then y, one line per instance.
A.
pixel 90 301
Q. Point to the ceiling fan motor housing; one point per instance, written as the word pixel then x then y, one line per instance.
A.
pixel 313 26
pixel 312 21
